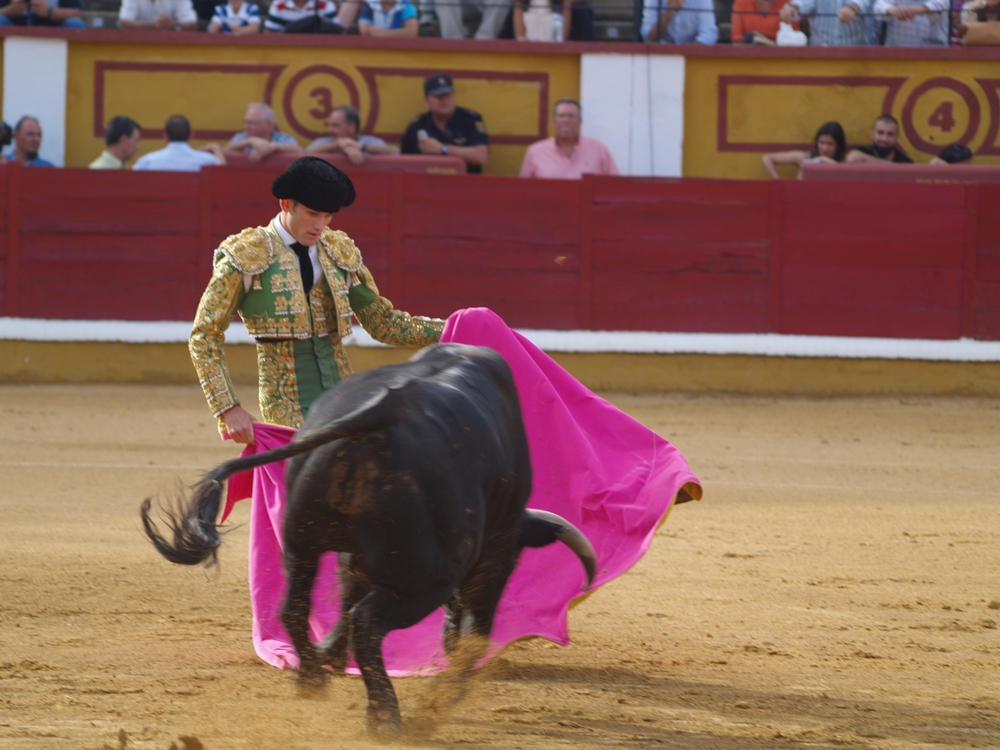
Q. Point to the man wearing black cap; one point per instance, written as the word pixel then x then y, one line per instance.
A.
pixel 295 283
pixel 447 129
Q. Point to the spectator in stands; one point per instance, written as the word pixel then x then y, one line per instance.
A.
pixel 568 155
pixel 261 136
pixel 884 148
pixel 64 13
pixel 447 129
pixel 977 23
pixel 178 156
pixel 679 21
pixel 303 16
pixel 913 24
pixel 122 139
pixel 534 21
pixel 829 147
pixel 235 17
pixel 956 153
pixel 166 15
pixel 27 143
pixel 388 18
pixel 449 13
pixel 343 137
pixel 756 18
pixel 833 22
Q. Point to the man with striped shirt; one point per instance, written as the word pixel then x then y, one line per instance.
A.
pixel 235 17
pixel 833 22
pixel 910 23
pixel 285 12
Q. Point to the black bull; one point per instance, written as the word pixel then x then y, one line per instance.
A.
pixel 418 475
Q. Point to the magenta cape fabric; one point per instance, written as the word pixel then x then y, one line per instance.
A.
pixel 594 465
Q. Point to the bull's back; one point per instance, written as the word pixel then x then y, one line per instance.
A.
pixel 450 464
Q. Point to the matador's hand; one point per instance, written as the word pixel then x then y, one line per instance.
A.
pixel 239 425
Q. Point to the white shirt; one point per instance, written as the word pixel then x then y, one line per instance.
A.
pixel 178 156
pixel 182 11
pixel 288 240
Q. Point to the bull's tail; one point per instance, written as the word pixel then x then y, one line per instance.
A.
pixel 192 523
pixel 539 528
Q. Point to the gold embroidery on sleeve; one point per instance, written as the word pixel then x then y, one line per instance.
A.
pixel 395 327
pixel 216 309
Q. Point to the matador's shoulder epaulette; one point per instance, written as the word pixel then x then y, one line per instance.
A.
pixel 251 251
pixel 341 249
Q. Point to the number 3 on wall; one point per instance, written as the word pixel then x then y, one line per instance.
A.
pixel 324 101
pixel 942 117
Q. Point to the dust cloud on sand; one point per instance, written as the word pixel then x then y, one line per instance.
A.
pixel 837 587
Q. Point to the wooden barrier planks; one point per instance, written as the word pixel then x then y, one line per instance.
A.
pixel 873 259
pixel 502 243
pixel 986 299
pixel 6 175
pixel 820 258
pixel 681 255
pixel 96 245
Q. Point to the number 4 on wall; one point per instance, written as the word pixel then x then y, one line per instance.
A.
pixel 942 117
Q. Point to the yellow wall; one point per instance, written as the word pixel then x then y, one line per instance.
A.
pixel 771 102
pixel 777 103
pixel 212 84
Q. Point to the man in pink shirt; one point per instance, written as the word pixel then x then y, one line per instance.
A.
pixel 569 155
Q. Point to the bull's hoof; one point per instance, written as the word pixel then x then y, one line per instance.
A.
pixel 336 661
pixel 311 682
pixel 382 725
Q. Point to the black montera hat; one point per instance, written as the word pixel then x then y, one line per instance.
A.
pixel 316 184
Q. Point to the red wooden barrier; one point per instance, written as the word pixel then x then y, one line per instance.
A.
pixel 888 172
pixel 822 258
pixel 398 162
pixel 872 259
pixel 986 277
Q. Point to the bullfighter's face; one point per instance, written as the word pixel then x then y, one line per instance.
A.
pixel 303 223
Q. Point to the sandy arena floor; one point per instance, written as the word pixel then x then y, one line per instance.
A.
pixel 837 587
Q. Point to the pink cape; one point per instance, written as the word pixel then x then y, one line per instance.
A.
pixel 594 465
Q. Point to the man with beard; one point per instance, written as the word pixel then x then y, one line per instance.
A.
pixel 27 142
pixel 885 135
pixel 568 155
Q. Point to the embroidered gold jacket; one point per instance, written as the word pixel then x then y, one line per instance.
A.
pixel 256 275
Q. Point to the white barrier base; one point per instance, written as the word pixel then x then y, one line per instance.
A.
pixel 630 342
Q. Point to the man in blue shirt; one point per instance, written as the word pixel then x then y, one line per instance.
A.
pixel 679 21
pixel 388 18
pixel 27 142
pixel 178 156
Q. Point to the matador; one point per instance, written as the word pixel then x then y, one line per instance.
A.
pixel 296 284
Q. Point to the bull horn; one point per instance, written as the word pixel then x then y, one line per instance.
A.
pixel 573 538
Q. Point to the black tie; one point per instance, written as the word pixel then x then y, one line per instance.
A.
pixel 305 265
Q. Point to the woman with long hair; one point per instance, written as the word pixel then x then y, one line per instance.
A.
pixel 829 147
